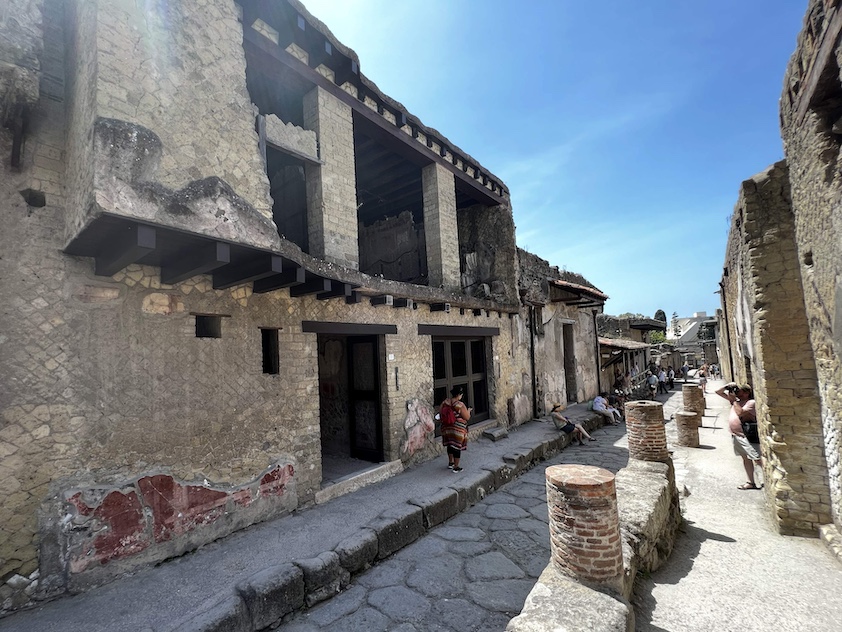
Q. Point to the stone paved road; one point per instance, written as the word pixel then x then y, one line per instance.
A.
pixel 472 573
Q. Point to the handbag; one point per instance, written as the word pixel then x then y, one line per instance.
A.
pixel 750 431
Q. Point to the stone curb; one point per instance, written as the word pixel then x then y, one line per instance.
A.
pixel 266 597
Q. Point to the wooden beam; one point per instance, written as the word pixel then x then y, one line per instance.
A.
pixel 289 277
pixel 201 260
pixel 440 307
pixel 354 299
pixel 253 270
pixel 131 244
pixel 313 286
pixel 403 302
pixel 352 329
pixel 456 330
pixel 382 299
pixel 338 289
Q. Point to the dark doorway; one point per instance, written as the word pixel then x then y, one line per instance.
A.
pixel 364 392
pixel 569 362
pixel 462 362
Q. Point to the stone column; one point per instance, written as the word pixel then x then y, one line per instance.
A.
pixel 332 186
pixel 584 524
pixel 441 227
pixel 694 400
pixel 645 427
pixel 688 428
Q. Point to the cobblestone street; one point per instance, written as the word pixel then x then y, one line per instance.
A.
pixel 472 573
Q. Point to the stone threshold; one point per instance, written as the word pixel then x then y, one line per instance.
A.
pixel 358 480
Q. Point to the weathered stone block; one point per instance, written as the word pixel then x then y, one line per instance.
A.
pixel 271 593
pixel 474 487
pixel 439 507
pixel 324 577
pixel 359 551
pixel 396 528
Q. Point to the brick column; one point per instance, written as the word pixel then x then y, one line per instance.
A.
pixel 584 524
pixel 645 427
pixel 688 428
pixel 332 186
pixel 694 401
pixel 440 227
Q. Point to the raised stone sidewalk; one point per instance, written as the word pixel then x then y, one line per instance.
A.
pixel 258 577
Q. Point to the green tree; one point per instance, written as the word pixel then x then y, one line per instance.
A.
pixel 657 337
pixel 676 328
pixel 660 315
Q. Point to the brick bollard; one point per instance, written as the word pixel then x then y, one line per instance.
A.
pixel 584 525
pixel 694 400
pixel 645 427
pixel 687 424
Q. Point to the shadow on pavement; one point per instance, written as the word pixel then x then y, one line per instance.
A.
pixel 687 547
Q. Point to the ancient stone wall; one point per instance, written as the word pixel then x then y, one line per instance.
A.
pixel 810 111
pixel 765 293
pixel 394 248
pixel 21 43
pixel 487 250
pixel 147 60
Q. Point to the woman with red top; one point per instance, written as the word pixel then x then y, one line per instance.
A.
pixel 454 437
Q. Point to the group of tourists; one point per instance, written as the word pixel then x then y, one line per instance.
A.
pixel 742 418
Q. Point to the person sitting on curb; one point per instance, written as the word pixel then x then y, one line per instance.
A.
pixel 600 405
pixel 564 424
pixel 742 410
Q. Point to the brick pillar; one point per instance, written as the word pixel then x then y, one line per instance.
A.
pixel 694 401
pixel 645 427
pixel 332 186
pixel 688 428
pixel 584 524
pixel 440 227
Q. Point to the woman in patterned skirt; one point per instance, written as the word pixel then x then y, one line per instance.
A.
pixel 455 437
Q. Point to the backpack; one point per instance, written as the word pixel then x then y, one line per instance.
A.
pixel 447 414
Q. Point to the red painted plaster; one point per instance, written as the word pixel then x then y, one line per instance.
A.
pixel 176 508
pixel 119 527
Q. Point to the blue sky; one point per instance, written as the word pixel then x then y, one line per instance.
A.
pixel 623 130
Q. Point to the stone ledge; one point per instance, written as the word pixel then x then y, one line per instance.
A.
pixel 832 538
pixel 647 503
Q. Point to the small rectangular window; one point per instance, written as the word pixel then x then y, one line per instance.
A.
pixel 271 352
pixel 208 326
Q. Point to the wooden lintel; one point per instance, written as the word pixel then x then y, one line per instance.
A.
pixel 237 274
pixel 202 260
pixel 132 243
pixel 383 299
pixel 287 278
pixel 314 286
pixel 338 289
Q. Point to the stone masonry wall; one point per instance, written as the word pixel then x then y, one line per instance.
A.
pixel 441 227
pixel 148 61
pixel 785 380
pixel 811 105
pixel 331 187
pixel 487 250
pixel 21 42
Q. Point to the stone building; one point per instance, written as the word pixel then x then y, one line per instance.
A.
pixel 233 273
pixel 781 288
